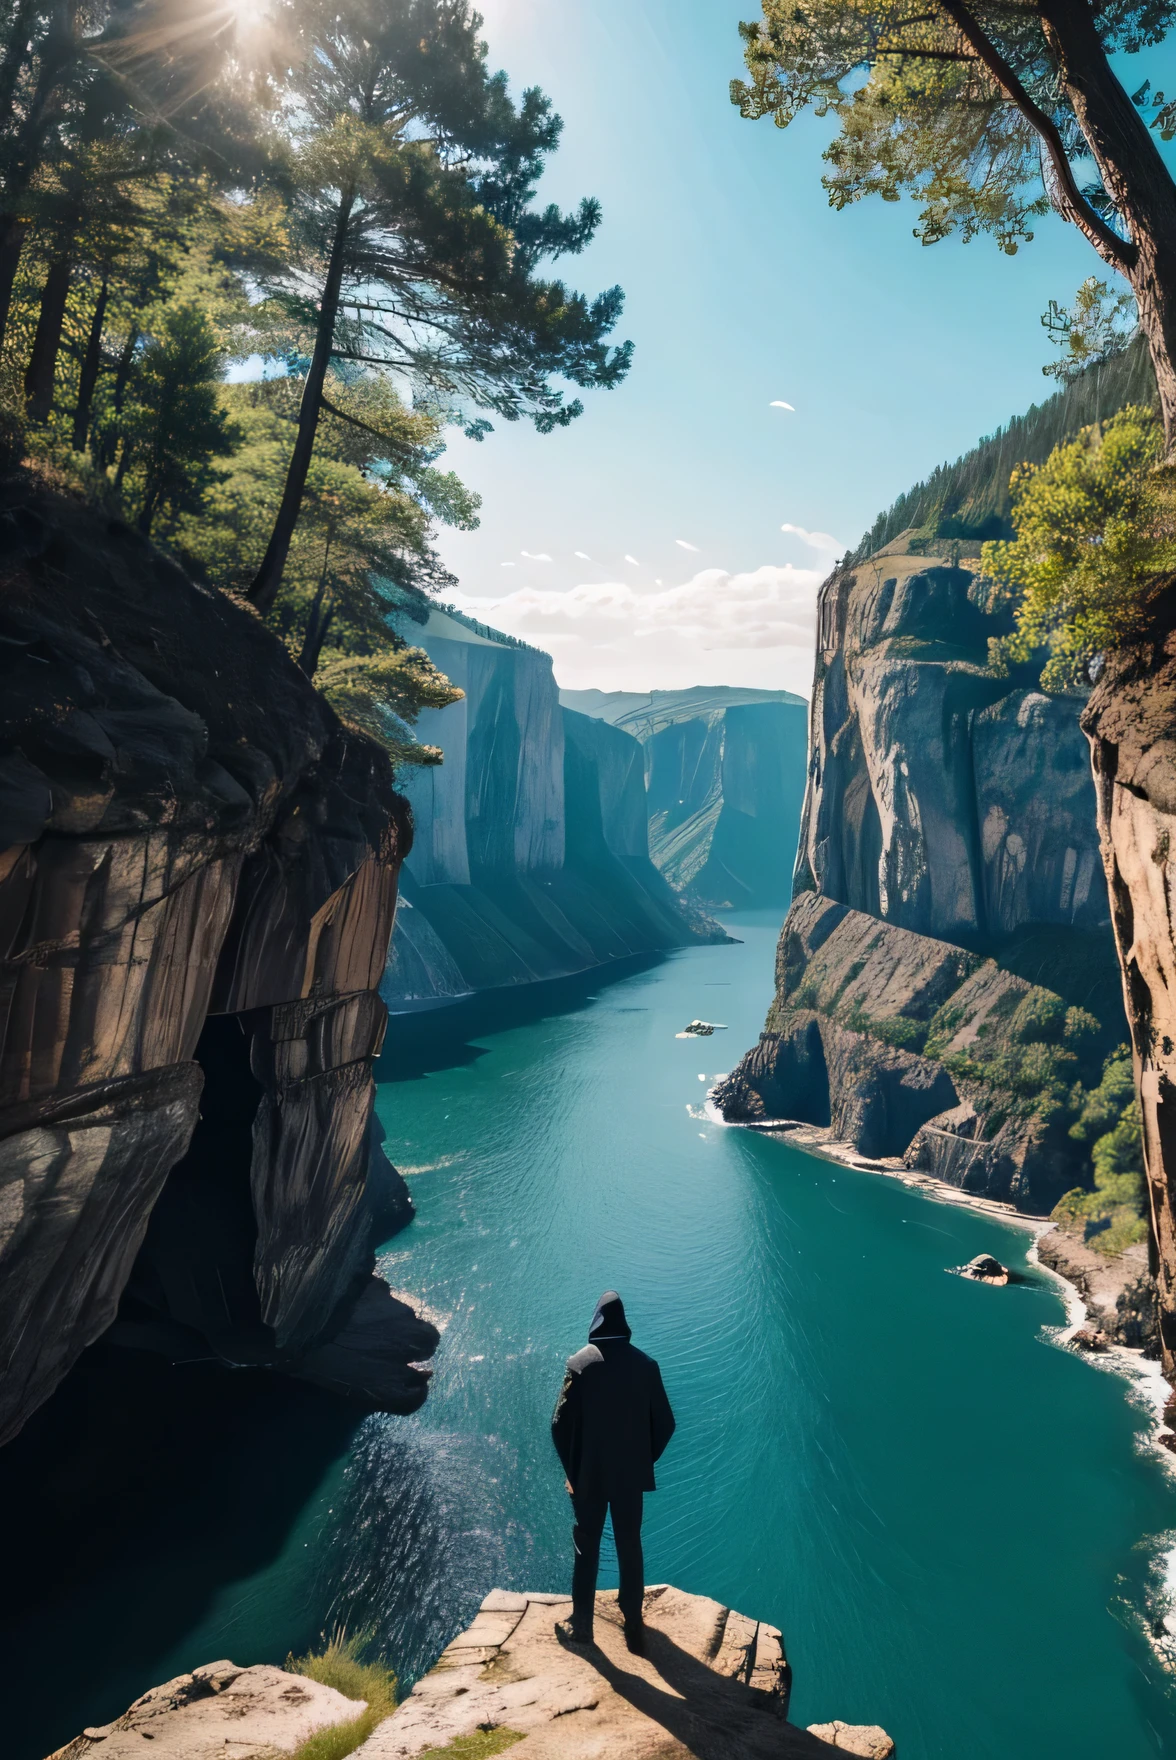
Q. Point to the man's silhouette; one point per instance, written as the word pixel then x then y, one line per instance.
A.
pixel 612 1421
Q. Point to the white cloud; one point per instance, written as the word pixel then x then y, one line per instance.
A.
pixel 506 565
pixel 583 555
pixel 633 560
pixel 539 556
pixel 683 545
pixel 815 540
pixel 779 403
pixel 754 629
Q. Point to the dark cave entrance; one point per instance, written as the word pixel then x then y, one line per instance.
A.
pixel 193 1284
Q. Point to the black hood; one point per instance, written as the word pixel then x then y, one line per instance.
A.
pixel 609 1319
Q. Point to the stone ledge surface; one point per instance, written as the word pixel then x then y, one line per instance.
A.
pixel 714 1684
pixel 218 1712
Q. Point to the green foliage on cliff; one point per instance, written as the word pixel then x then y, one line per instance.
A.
pixel 1111 1216
pixel 340 1666
pixel 1095 525
pixel 971 498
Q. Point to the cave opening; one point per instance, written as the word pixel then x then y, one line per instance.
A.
pixel 193 1283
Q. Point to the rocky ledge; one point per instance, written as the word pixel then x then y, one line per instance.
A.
pixel 1119 1292
pixel 216 1712
pixel 714 1682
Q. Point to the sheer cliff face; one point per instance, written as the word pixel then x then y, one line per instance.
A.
pixel 940 799
pixel 497 801
pixel 531 855
pixel 197 881
pixel 1131 723
pixel 948 883
pixel 725 775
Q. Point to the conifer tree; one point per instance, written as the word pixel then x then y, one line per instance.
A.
pixel 411 174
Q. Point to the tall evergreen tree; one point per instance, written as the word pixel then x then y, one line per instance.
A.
pixel 411 174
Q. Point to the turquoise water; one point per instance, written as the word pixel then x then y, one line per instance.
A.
pixel 951 1519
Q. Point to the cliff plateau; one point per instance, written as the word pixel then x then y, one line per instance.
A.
pixel 531 854
pixel 946 971
pixel 198 870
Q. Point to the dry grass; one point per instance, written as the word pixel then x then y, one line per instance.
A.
pixel 339 1666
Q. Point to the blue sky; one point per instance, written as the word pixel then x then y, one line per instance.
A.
pixel 742 287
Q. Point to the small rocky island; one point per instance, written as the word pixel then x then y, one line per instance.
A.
pixel 714 1682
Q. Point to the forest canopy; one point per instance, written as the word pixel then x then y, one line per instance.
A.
pixel 252 265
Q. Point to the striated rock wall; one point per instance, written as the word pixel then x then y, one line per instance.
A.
pixel 725 780
pixel 949 914
pixel 531 855
pixel 1131 725
pixel 198 870
pixel 939 798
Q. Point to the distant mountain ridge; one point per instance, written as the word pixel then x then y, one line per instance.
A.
pixel 644 712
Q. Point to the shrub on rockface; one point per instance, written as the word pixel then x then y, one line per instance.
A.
pixel 1111 1216
pixel 1095 529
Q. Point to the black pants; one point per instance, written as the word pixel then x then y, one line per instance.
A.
pixel 589 1525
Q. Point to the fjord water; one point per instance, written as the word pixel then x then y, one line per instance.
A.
pixel 951 1518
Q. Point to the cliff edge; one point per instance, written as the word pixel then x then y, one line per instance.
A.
pixel 198 873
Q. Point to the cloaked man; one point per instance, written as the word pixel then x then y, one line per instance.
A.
pixel 612 1422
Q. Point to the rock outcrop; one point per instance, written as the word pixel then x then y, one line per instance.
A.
pixel 1131 724
pixel 713 1682
pixel 724 775
pixel 900 1045
pixel 198 871
pixel 947 964
pixel 1119 1293
pixel 531 853
pixel 216 1712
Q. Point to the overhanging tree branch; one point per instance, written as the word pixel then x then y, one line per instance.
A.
pixel 1119 252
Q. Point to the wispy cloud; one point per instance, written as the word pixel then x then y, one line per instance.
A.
pixel 754 628
pixel 779 403
pixel 506 565
pixel 539 556
pixel 633 560
pixel 815 540
pixel 683 545
pixel 583 555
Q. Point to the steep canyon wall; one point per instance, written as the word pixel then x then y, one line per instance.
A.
pixel 947 961
pixel 724 771
pixel 531 855
pixel 198 872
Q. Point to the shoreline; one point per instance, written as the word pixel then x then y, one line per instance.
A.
pixel 1143 1373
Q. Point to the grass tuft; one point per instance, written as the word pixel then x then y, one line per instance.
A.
pixel 339 1666
pixel 481 1745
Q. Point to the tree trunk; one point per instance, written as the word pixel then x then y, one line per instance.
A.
pixel 91 366
pixel 315 641
pixel 43 360
pixel 312 641
pixel 12 238
pixel 18 48
pixel 268 579
pixel 109 440
pixel 1136 178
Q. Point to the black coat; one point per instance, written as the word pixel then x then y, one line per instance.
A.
pixel 612 1419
